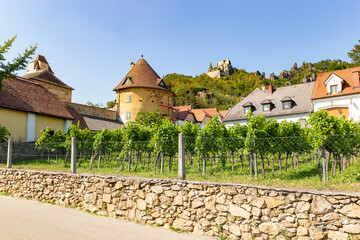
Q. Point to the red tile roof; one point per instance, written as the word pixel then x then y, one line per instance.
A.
pixel 201 113
pixel 142 75
pixel 46 76
pixel 29 96
pixel 180 114
pixel 320 90
pixel 223 113
pixel 187 107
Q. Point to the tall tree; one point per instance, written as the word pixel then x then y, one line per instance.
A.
pixel 7 70
pixel 354 53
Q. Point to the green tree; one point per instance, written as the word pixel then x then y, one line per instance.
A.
pixel 93 104
pixel 165 141
pixel 7 70
pixel 153 118
pixel 110 104
pixel 190 131
pixel 4 134
pixel 354 53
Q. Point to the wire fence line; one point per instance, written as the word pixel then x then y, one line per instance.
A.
pixel 256 157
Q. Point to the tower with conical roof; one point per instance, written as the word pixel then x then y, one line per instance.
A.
pixel 41 72
pixel 142 90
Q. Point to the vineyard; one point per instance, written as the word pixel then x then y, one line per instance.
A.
pixel 264 150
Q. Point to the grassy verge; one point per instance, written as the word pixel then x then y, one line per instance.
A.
pixel 306 175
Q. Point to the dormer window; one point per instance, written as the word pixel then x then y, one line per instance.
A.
pixel 287 102
pixel 248 107
pixel 334 89
pixel 127 81
pixel 266 107
pixel 334 84
pixel 267 104
pixel 286 105
pixel 162 84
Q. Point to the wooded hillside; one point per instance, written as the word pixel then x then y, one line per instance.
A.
pixel 203 92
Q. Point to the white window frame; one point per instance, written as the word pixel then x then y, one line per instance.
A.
pixel 268 106
pixel 288 104
pixel 128 115
pixel 335 87
pixel 128 98
pixel 247 109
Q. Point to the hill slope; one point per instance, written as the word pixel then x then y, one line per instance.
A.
pixel 203 92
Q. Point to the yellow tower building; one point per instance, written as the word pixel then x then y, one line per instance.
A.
pixel 142 89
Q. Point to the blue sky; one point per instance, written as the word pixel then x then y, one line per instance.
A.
pixel 89 44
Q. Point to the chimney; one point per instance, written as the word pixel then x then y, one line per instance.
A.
pixel 132 64
pixel 356 78
pixel 270 89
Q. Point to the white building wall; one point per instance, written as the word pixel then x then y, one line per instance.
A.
pixel 67 124
pixel 289 118
pixel 350 101
pixel 30 127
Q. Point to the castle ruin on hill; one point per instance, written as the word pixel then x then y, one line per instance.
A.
pixel 223 68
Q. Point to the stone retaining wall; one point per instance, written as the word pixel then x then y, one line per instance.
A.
pixel 234 211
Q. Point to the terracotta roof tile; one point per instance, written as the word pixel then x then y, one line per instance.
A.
pixel 46 76
pixel 77 117
pixel 26 95
pixel 223 113
pixel 181 114
pixel 187 107
pixel 142 75
pixel 201 113
pixel 320 90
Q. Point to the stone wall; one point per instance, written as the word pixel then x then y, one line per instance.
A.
pixel 94 111
pixel 231 211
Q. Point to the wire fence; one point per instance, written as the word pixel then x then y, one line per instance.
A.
pixel 255 157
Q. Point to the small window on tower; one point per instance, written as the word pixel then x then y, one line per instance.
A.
pixel 128 115
pixel 128 98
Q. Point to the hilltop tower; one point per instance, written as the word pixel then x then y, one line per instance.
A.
pixel 41 72
pixel 210 67
pixel 142 89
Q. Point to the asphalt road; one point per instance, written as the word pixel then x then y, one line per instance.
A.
pixel 28 219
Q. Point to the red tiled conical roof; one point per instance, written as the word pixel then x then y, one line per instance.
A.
pixel 142 75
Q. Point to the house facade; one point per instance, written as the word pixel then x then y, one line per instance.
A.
pixel 338 93
pixel 290 103
pixel 142 90
pixel 27 109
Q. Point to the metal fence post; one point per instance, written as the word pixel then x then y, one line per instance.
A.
pixel 324 164
pixel 181 164
pixel 73 155
pixel 9 154
pixel 204 160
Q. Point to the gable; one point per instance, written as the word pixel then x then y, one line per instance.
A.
pixel 333 80
pixel 127 81
pixel 161 83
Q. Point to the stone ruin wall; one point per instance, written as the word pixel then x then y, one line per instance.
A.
pixel 94 111
pixel 233 211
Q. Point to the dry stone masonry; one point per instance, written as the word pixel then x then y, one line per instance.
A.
pixel 233 211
